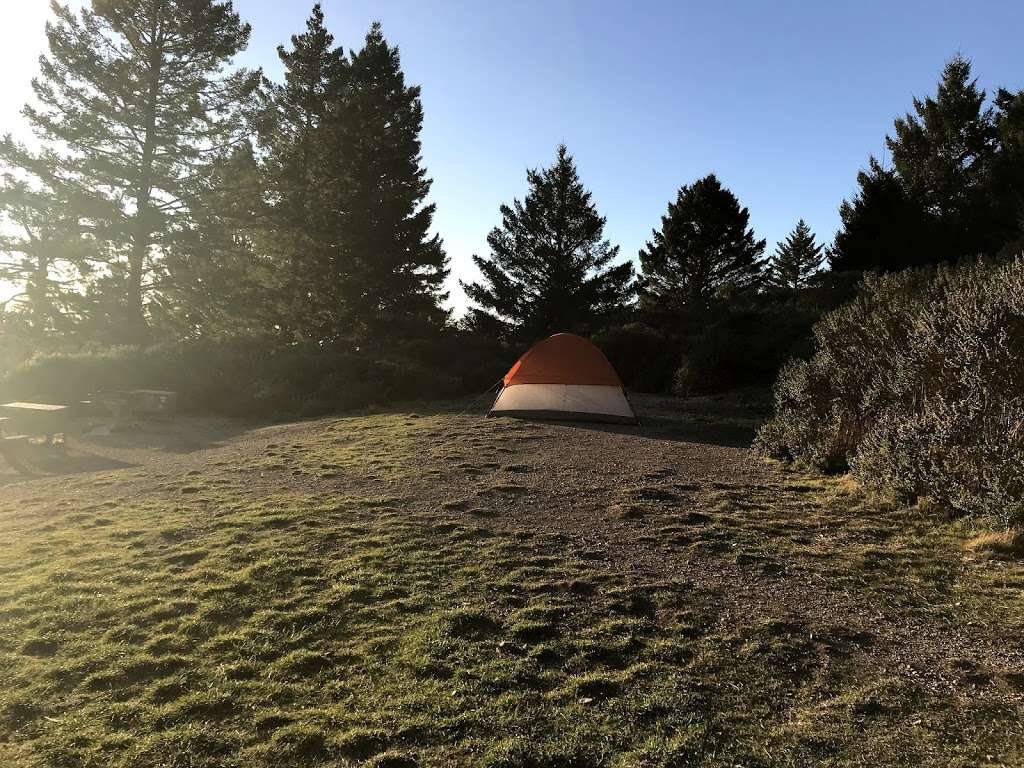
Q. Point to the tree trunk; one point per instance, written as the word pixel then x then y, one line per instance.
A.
pixel 38 296
pixel 137 331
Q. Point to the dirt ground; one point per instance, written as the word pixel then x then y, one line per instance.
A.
pixel 589 483
pixel 871 591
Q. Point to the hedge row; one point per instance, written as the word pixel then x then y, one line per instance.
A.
pixel 245 377
pixel 917 385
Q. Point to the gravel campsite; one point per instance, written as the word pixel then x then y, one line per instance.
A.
pixel 429 587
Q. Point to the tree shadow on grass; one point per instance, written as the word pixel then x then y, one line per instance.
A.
pixel 680 430
pixel 730 435
pixel 723 422
pixel 40 462
pixel 183 434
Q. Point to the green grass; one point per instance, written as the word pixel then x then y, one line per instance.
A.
pixel 204 624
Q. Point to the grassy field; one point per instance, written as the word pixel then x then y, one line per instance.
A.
pixel 415 588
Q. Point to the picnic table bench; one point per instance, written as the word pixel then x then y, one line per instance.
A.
pixel 11 450
pixel 142 403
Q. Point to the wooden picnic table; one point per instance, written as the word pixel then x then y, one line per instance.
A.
pixel 35 418
pixel 137 403
pixel 154 402
pixel 31 420
pixel 34 407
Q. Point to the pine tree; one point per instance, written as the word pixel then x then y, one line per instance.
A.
pixel 133 99
pixel 17 341
pixel 224 282
pixel 1006 186
pixel 943 155
pixel 955 187
pixel 795 260
pixel 43 248
pixel 550 268
pixel 705 247
pixel 303 157
pixel 391 270
pixel 883 229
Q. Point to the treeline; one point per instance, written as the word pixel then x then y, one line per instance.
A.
pixel 712 310
pixel 174 197
pixel 275 237
pixel 708 311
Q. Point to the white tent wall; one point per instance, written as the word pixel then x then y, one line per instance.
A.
pixel 565 401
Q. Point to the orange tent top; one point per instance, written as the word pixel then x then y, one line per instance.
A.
pixel 564 358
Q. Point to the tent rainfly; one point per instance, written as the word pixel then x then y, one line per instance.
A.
pixel 564 377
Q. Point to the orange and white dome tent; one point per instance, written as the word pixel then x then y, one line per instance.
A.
pixel 564 377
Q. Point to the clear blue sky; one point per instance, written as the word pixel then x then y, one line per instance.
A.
pixel 783 100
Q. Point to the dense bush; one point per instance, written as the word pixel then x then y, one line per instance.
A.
pixel 744 343
pixel 642 356
pixel 741 347
pixel 728 345
pixel 244 376
pixel 918 386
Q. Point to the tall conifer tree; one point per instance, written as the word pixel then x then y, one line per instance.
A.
pixel 705 247
pixel 551 268
pixel 937 202
pixel 224 282
pixel 943 154
pixel 303 161
pixel 132 100
pixel 943 151
pixel 883 229
pixel 1006 186
pixel 44 248
pixel 392 268
pixel 795 260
